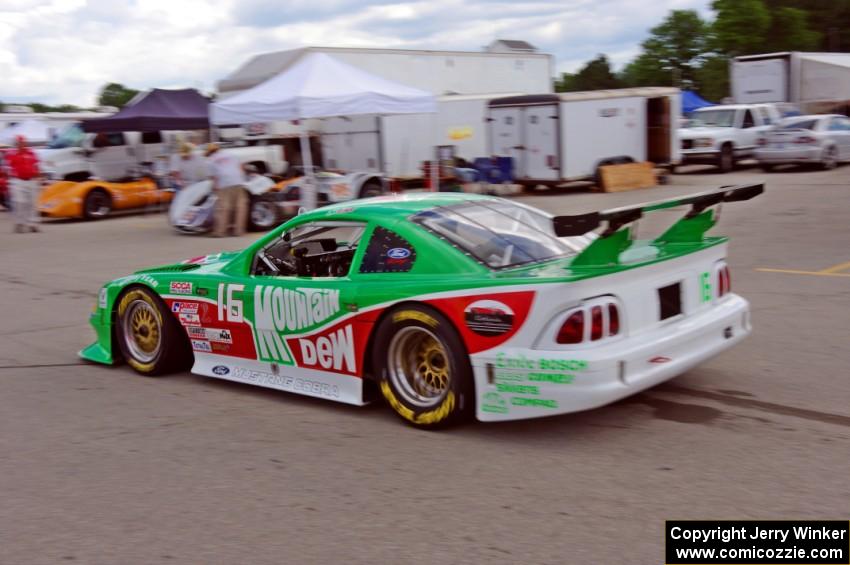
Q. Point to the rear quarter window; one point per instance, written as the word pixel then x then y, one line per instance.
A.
pixel 387 252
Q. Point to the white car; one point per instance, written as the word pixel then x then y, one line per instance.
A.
pixel 722 135
pixel 820 139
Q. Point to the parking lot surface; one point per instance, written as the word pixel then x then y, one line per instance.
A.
pixel 101 465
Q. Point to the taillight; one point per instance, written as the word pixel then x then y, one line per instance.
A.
pixel 613 319
pixel 595 323
pixel 573 329
pixel 805 139
pixel 603 314
pixel 724 280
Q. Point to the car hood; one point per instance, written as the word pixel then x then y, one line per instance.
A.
pixel 702 131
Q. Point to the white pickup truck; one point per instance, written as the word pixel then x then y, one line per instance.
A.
pixel 721 135
pixel 118 156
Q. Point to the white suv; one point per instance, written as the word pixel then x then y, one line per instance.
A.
pixel 721 135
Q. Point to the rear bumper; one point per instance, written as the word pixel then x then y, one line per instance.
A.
pixel 793 155
pixel 699 156
pixel 513 384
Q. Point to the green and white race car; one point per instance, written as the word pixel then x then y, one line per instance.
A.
pixel 450 305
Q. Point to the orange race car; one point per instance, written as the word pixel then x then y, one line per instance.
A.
pixel 94 199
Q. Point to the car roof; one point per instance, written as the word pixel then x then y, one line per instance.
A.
pixel 395 206
pixel 732 106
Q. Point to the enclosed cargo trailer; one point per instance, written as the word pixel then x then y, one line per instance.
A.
pixel 556 138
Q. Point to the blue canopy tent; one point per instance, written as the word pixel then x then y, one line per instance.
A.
pixel 692 101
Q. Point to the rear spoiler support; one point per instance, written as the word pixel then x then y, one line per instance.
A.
pixel 613 240
pixel 616 218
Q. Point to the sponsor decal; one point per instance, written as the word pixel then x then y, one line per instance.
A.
pixel 185 307
pixel 144 278
pixel 203 259
pixel 279 311
pixel 203 346
pixel 535 402
pixel 518 389
pixel 415 315
pixel 459 133
pixel 178 287
pixel 489 317
pixel 609 112
pixel 494 402
pixel 705 287
pixel 214 335
pixel 219 336
pixel 220 370
pixel 331 351
pixel 522 362
pixel 101 298
pixel 189 319
pixel 196 332
pixel 220 347
pixel 557 378
pixel 398 253
pixel 284 382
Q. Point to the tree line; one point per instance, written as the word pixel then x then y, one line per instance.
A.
pixel 112 94
pixel 692 53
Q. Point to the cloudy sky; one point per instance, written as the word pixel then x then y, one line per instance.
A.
pixel 63 51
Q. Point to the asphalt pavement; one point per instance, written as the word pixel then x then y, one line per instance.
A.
pixel 99 465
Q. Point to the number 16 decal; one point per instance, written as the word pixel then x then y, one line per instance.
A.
pixel 228 305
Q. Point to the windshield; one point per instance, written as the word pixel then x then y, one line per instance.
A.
pixel 800 124
pixel 716 118
pixel 71 136
pixel 499 234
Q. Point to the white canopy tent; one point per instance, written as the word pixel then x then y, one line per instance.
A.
pixel 319 86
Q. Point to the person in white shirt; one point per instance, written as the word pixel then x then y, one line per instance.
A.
pixel 187 167
pixel 228 178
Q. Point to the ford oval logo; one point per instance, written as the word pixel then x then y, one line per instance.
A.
pixel 220 370
pixel 398 253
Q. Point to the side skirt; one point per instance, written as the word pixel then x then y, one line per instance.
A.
pixel 298 380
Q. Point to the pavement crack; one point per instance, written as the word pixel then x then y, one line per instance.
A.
pixel 773 408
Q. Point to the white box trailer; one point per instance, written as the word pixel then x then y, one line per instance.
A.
pixel 814 82
pixel 556 138
pixel 396 145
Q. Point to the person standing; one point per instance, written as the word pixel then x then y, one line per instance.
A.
pixel 231 207
pixel 24 184
pixel 187 166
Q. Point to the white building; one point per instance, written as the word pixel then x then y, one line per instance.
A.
pixel 500 69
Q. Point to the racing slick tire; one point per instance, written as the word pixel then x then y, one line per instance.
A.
pixel 97 204
pixel 149 337
pixel 423 368
pixel 263 214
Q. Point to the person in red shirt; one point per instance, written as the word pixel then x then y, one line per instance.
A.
pixel 24 182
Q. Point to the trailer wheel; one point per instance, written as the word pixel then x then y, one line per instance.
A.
pixel 370 188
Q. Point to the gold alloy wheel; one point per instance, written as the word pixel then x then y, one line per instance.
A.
pixel 419 366
pixel 142 331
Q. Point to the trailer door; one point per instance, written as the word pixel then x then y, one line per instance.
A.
pixel 506 136
pixel 541 142
pixel 352 144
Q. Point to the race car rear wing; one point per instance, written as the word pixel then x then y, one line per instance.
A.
pixel 613 240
